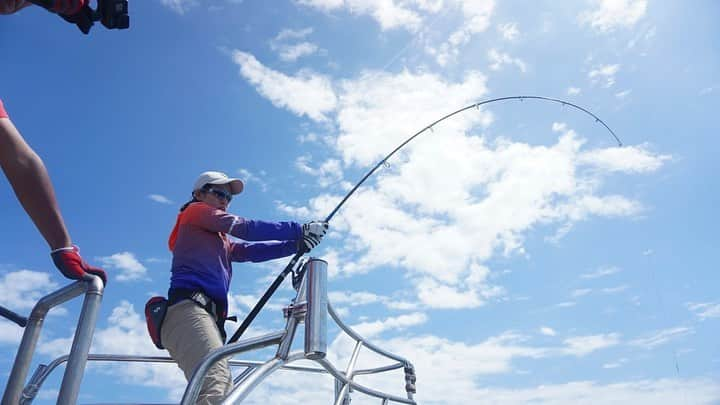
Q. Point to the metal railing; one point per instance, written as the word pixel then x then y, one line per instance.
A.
pixel 310 306
pixel 92 287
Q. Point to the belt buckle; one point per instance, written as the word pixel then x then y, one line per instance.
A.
pixel 206 303
pixel 200 298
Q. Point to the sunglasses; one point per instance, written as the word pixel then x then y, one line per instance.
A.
pixel 220 193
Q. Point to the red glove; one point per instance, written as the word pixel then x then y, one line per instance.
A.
pixel 3 113
pixel 82 16
pixel 68 7
pixel 77 12
pixel 72 266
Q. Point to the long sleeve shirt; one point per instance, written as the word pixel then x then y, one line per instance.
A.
pixel 203 254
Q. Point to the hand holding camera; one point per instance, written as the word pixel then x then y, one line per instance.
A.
pixel 113 14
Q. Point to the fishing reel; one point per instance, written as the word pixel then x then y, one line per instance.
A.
pixel 113 14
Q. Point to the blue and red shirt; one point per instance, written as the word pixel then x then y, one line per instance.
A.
pixel 203 253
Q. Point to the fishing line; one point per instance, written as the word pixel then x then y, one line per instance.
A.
pixel 291 265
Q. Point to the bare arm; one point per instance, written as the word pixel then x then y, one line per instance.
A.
pixel 30 180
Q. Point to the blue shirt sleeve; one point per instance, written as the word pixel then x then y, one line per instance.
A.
pixel 254 230
pixel 261 251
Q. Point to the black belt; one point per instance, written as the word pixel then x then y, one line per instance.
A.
pixel 176 295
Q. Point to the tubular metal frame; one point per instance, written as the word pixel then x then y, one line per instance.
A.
pixel 92 287
pixel 310 306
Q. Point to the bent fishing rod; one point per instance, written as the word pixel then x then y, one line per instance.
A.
pixel 291 265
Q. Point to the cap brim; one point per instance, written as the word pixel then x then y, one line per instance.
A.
pixel 236 185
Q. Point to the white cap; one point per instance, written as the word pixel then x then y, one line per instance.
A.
pixel 236 185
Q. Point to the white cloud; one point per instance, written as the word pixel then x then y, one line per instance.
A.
pixel 357 298
pixel 614 290
pixel 390 14
pixel 329 172
pixel 257 178
pixel 23 288
pixel 296 212
pixel 476 19
pixel 706 90
pixel 628 159
pixel 48 394
pixel 580 292
pixel 180 6
pixel 661 337
pixel 494 355
pixel 465 364
pixel 129 266
pixel 705 310
pixel 160 199
pixel 293 34
pixel 547 331
pixel 486 194
pixel 601 272
pixel 458 381
pixel 499 59
pixel 308 93
pixel 573 91
pixel 307 138
pixel 370 329
pixel 611 14
pixel 354 298
pixel 437 295
pixel 655 392
pixel 326 5
pixel 238 303
pixel 390 222
pixel 642 37
pixel 623 94
pixel 291 53
pixel 375 109
pixel 10 333
pixel 401 305
pixel 583 345
pixel 604 74
pixel 509 31
pixel 616 364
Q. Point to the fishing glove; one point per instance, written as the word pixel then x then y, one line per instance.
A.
pixel 66 7
pixel 77 12
pixel 313 232
pixel 83 18
pixel 72 266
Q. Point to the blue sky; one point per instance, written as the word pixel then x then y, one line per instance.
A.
pixel 514 255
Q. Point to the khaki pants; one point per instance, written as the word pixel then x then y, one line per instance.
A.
pixel 189 333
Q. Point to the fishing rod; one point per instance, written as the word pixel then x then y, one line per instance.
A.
pixel 291 265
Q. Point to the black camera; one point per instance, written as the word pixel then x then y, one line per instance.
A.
pixel 113 14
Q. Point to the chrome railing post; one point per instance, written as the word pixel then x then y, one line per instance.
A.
pixel 317 309
pixel 342 397
pixel 75 368
pixel 295 313
pixel 25 352
pixel 193 388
